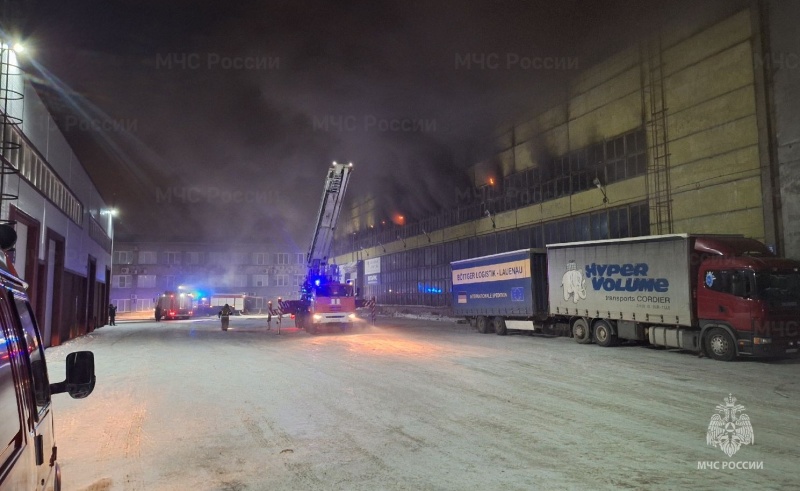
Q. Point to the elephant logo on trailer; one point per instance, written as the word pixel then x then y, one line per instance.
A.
pixel 573 283
pixel 727 430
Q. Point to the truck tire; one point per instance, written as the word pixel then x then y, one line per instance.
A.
pixel 604 335
pixel 581 332
pixel 483 324
pixel 720 345
pixel 500 326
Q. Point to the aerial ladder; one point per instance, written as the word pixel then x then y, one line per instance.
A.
pixel 324 299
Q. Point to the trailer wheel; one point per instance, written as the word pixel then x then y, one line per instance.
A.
pixel 603 334
pixel 720 345
pixel 483 324
pixel 500 326
pixel 581 332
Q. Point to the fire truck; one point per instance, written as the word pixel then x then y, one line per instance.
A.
pixel 175 305
pixel 324 300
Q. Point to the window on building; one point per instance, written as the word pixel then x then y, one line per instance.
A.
pixel 123 257
pixel 282 280
pixel 148 257
pixel 282 258
pixel 144 304
pixel 239 258
pixel 260 280
pixel 146 281
pixel 123 305
pixel 169 282
pixel 298 280
pixel 260 258
pixel 301 258
pixel 239 280
pixel 219 258
pixel 123 281
pixel 192 258
pixel 599 225
pixel 640 220
pixel 173 257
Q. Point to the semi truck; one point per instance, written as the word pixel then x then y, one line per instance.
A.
pixel 722 296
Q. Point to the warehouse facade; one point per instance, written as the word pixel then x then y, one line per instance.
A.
pixel 693 130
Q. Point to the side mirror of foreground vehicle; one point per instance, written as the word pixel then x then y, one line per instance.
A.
pixel 80 375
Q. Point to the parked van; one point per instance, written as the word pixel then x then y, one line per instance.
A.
pixel 28 458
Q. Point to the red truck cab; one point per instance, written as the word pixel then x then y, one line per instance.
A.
pixel 748 299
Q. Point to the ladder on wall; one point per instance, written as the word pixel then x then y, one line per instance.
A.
pixel 10 95
pixel 658 189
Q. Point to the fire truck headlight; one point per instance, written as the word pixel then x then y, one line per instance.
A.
pixel 317 317
pixel 352 316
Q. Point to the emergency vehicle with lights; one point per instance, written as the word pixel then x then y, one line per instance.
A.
pixel 28 458
pixel 176 305
pixel 324 299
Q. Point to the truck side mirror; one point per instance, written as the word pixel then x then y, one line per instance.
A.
pixel 80 375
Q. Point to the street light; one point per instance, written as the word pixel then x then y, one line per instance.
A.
pixel 111 213
pixel 602 188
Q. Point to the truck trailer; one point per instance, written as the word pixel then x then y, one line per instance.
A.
pixel 239 302
pixel 724 296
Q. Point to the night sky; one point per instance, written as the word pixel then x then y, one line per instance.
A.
pixel 201 120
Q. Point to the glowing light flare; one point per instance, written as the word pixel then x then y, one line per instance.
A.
pixel 386 345
pixel 398 219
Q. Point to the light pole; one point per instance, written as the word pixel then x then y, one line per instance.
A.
pixel 111 213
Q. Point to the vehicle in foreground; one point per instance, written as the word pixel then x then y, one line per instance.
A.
pixel 28 459
pixel 725 296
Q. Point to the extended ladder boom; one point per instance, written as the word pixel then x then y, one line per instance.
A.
pixel 332 199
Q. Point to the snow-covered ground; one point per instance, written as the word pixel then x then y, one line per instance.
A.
pixel 411 404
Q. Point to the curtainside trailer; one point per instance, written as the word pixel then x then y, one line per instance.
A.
pixel 725 296
pixel 502 291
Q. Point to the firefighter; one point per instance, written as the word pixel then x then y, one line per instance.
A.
pixel 224 316
pixel 269 315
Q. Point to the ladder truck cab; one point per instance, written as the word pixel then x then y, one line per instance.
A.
pixel 324 299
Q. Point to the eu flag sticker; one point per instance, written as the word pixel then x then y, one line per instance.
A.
pixel 518 294
pixel 462 297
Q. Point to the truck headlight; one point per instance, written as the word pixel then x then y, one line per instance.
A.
pixel 317 317
pixel 762 340
pixel 352 316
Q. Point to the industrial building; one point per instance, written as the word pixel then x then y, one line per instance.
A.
pixel 64 227
pixel 144 270
pixel 693 130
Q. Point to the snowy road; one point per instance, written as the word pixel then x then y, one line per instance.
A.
pixel 411 404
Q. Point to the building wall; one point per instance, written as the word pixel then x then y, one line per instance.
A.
pixel 58 209
pixel 782 62
pixel 144 270
pixel 703 80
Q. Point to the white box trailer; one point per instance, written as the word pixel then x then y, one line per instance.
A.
pixel 642 279
pixel 234 300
